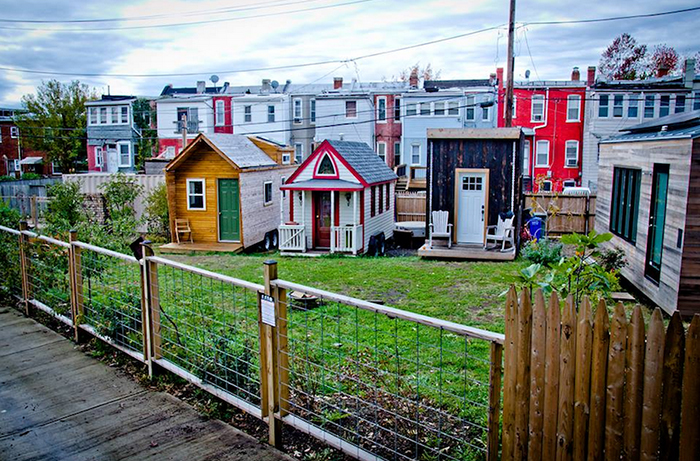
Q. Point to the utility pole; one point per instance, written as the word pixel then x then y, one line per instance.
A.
pixel 511 64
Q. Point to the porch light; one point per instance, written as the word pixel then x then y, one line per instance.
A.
pixel 348 196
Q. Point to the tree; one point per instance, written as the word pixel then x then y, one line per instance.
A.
pixel 55 121
pixel 425 73
pixel 144 120
pixel 623 59
pixel 664 57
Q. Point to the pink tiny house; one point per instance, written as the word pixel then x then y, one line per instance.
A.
pixel 340 201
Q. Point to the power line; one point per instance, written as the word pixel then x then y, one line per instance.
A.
pixel 613 18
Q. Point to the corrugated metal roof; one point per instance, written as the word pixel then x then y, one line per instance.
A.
pixel 682 133
pixel 240 150
pixel 364 161
pixel 683 118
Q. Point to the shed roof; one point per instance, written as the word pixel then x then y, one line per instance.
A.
pixel 688 132
pixel 238 149
pixel 474 133
pixel 364 161
pixel 671 121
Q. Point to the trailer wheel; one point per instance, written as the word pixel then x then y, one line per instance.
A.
pixel 275 240
pixel 267 242
pixel 381 245
pixel 372 246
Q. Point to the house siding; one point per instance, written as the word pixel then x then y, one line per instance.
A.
pixel 689 287
pixel 330 111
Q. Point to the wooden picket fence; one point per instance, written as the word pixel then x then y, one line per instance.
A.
pixel 410 206
pixel 579 385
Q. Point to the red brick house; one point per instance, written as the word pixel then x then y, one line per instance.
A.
pixel 15 158
pixel 551 114
pixel 387 126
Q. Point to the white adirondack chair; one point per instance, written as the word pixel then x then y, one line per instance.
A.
pixel 502 233
pixel 440 228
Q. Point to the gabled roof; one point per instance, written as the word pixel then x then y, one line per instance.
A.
pixel 236 149
pixel 362 158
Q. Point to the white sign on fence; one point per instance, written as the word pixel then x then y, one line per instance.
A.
pixel 267 306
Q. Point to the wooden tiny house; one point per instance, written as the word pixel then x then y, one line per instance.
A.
pixel 226 188
pixel 475 175
pixel 648 186
pixel 340 201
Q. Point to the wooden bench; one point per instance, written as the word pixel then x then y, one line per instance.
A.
pixel 182 226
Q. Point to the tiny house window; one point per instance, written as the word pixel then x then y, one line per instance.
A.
pixel 196 199
pixel 297 111
pixel 439 108
pixel 415 154
pixel 16 165
pixel 380 207
pixel 326 167
pixel 397 153
pixel 381 151
pixel 624 204
pixel 570 183
pixel 124 154
pixel 546 186
pixel 388 191
pixel 98 156
pixel 14 132
pixel 312 110
pixel 267 192
pixel 411 109
pixel 425 108
pixel 103 115
pixel 93 116
pixel 125 114
pixel 526 158
pixel 397 109
pixel 298 152
pixel 115 115
pixel 485 114
pixel 453 108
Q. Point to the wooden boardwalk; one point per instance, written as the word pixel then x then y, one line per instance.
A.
pixel 56 403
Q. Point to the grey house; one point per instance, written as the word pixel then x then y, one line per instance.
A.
pixel 111 134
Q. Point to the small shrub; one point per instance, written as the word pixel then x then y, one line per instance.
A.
pixel 612 260
pixel 28 176
pixel 544 251
pixel 157 213
pixel 120 193
pixel 6 178
pixel 65 209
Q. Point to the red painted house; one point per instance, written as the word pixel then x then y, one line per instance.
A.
pixel 551 115
pixel 387 127
pixel 15 158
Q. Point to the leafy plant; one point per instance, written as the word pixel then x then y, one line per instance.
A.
pixel 157 212
pixel 612 260
pixel 30 175
pixel 579 275
pixel 65 209
pixel 120 193
pixel 546 252
pixel 6 178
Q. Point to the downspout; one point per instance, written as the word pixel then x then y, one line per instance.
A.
pixel 534 130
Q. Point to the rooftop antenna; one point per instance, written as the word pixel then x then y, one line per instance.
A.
pixel 275 84
pixel 214 78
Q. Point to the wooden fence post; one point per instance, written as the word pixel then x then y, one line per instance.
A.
pixel 76 279
pixel 634 383
pixel 509 374
pixel 269 376
pixel 672 386
pixel 567 379
pixel 24 265
pixel 551 378
pixel 522 384
pixel 690 413
pixel 150 307
pixel 494 401
pixel 599 367
pixel 653 379
pixel 582 384
pixel 614 426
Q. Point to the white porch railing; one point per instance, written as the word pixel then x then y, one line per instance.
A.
pixel 292 237
pixel 346 239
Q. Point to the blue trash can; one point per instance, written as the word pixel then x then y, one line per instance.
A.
pixel 536 228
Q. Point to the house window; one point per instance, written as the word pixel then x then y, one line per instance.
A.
pixel 267 192
pixel 247 114
pixel 103 115
pixel 624 205
pixel 298 152
pixel 632 106
pixel 380 207
pixel 397 153
pixel 388 191
pixel 603 103
pixel 439 108
pixel 192 117
pixel 537 113
pixel 571 154
pixel 664 105
pixel 196 199
pixel 425 108
pixel 114 111
pixel 569 183
pixel 470 107
pixel 93 116
pixel 649 103
pixel 297 111
pixel 381 151
pixel 125 114
pixel 696 100
pixel 680 103
pixel 350 109
pixel 573 108
pixel 313 111
pixel 397 109
pixel 282 181
pixel 270 114
pixel 326 167
pixel 170 152
pixel 16 165
pixel 373 199
pixel 220 113
pixel 453 108
pixel 98 156
pixel 526 158
pixel 381 109
pixel 546 186
pixel 485 114
pixel 411 109
pixel 415 154
pixel 542 155
pixel 14 132
pixel 124 149
pixel 286 157
pixel 618 101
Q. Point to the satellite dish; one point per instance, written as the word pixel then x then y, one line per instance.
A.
pixel 527 73
pixel 275 84
pixel 214 79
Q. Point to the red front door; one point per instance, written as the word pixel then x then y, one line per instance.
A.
pixel 322 219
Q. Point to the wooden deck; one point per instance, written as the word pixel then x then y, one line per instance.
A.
pixel 201 247
pixel 464 252
pixel 59 403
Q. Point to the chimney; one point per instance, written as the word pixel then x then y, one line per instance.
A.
pixel 499 77
pixel 201 86
pixel 689 72
pixel 413 79
pixel 265 88
pixel 492 79
pixel 662 71
pixel 575 75
pixel 590 81
pixel 337 83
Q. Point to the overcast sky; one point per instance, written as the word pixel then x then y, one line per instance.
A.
pixel 327 30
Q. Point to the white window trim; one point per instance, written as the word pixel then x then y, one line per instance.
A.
pixel 247 106
pixel 537 150
pixel 273 113
pixel 220 120
pixel 455 105
pixel 381 143
pixel 382 98
pixel 569 180
pixel 397 100
pixel 486 111
pixel 297 120
pixel 346 109
pixel 99 157
pixel 551 185
pixel 272 193
pixel 470 105
pixel 119 154
pixel 17 166
pixel 121 114
pixel 301 151
pixel 422 105
pixel 573 97
pixel 608 105
pixel 419 153
pixel 110 110
pixel 14 132
pixel 566 154
pixel 312 111
pixel 538 97
pixel 94 110
pixel 204 193
pixel 527 155
pixel 616 106
pixel 515 104
pixel 407 105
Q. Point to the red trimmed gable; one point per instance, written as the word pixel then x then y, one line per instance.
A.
pixel 314 160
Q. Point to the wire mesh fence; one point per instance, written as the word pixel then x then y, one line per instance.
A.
pixel 207 324
pixel 385 386
pixel 48 276
pixel 10 264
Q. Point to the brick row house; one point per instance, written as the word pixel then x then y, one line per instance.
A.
pixel 15 158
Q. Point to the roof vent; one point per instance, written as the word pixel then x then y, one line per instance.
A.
pixel 664 128
pixel 341 136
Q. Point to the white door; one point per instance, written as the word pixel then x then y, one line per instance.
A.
pixel 471 208
pixel 112 161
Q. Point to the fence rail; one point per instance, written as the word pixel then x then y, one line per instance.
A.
pixel 565 213
pixel 410 206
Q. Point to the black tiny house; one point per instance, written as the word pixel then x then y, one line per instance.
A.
pixel 475 174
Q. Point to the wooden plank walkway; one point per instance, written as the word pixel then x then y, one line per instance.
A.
pixel 56 403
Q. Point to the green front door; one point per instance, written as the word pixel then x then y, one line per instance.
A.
pixel 229 213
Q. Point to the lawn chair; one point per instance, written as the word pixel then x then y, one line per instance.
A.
pixel 502 233
pixel 440 228
pixel 182 226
